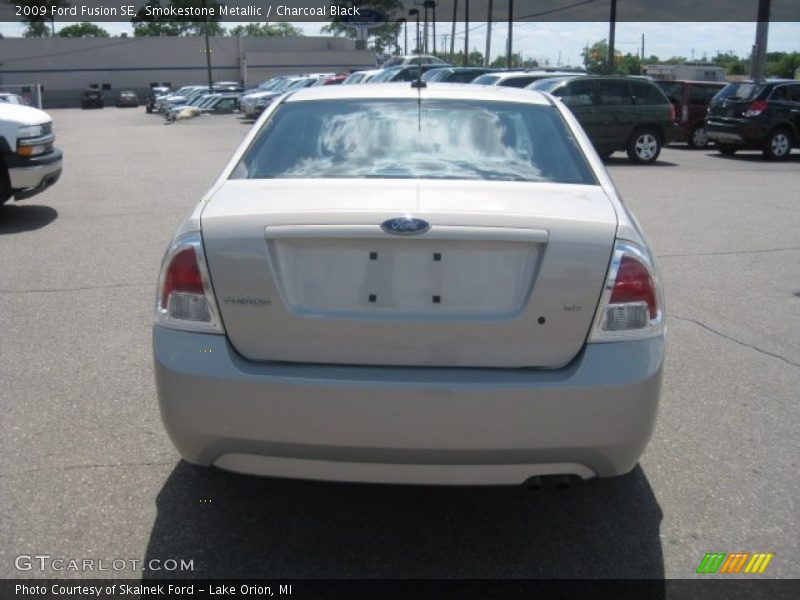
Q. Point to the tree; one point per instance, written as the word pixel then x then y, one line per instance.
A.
pixel 266 30
pixel 782 64
pixel 595 56
pixel 83 30
pixel 383 36
pixel 630 64
pixel 517 62
pixel 36 24
pixel 144 25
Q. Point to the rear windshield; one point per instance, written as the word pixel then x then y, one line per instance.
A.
pixel 486 79
pixel 739 91
pixel 391 139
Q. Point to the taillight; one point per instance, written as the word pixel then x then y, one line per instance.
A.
pixel 671 112
pixel 756 108
pixel 631 306
pixel 185 297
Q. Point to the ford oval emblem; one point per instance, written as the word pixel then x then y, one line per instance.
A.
pixel 405 226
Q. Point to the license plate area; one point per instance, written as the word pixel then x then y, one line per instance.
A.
pixel 404 278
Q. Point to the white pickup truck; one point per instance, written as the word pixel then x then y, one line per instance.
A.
pixel 29 163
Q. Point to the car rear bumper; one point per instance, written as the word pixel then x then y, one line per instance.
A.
pixel 407 425
pixel 738 133
pixel 30 176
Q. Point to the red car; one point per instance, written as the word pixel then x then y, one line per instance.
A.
pixel 691 99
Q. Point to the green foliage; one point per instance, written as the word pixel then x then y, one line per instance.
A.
pixel 281 29
pixel 594 57
pixel 782 64
pixel 144 25
pixel 517 62
pixel 83 30
pixel 36 24
pixel 382 37
pixel 629 64
pixel 36 29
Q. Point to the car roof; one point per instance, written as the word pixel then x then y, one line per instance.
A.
pixel 432 90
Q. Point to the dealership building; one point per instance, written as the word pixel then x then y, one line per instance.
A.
pixel 64 67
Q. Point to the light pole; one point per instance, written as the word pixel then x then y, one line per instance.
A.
pixel 208 49
pixel 486 60
pixel 404 23
pixel 432 5
pixel 415 13
pixel 509 39
pixel 612 27
pixel 466 33
pixel 453 32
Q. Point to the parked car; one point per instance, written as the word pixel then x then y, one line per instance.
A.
pixel 181 96
pixel 618 113
pixel 518 79
pixel 401 73
pixel 761 115
pixel 150 99
pixel 228 86
pixel 252 105
pixel 29 163
pixel 9 98
pixel 691 100
pixel 455 74
pixel 330 80
pixel 412 59
pixel 91 99
pixel 345 304
pixel 129 99
pixel 360 77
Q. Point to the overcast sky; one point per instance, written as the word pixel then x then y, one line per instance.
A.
pixel 548 41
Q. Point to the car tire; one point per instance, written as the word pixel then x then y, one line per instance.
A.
pixel 698 138
pixel 726 149
pixel 778 144
pixel 644 146
pixel 5 183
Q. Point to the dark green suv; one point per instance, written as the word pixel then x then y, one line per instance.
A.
pixel 617 113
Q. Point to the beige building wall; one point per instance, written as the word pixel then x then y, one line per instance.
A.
pixel 67 66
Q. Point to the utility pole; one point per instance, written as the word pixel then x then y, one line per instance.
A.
pixel 509 38
pixel 208 49
pixel 415 13
pixel 642 49
pixel 466 33
pixel 486 59
pixel 434 26
pixel 453 33
pixel 758 59
pixel 612 26
pixel 425 26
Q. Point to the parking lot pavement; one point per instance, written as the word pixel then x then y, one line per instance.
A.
pixel 86 470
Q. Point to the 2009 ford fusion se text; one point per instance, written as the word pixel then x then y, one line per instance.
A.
pixel 429 284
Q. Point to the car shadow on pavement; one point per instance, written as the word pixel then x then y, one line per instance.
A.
pixel 234 526
pixel 622 161
pixel 28 217
pixel 755 156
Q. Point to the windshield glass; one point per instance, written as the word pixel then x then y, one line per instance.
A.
pixel 739 91
pixel 446 139
pixel 486 79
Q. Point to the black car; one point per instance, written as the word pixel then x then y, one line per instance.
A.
pixel 127 98
pixel 617 113
pixel 150 99
pixel 91 99
pixel 762 115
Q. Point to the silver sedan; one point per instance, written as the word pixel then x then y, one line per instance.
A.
pixel 411 284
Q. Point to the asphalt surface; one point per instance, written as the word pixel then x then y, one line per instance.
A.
pixel 86 470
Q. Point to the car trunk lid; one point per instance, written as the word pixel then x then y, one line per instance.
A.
pixel 508 275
